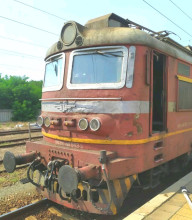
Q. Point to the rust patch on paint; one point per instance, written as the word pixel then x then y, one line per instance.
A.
pixel 130 134
pixel 137 124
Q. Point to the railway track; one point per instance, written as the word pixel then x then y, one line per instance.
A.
pixel 27 210
pixel 16 142
pixel 6 133
pixel 17 168
pixel 33 209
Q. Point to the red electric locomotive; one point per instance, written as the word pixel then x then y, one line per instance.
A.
pixel 116 108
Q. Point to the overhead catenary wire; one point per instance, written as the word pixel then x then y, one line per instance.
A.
pixel 46 12
pixel 168 18
pixel 23 42
pixel 28 25
pixel 15 53
pixel 24 55
pixel 20 67
pixel 181 10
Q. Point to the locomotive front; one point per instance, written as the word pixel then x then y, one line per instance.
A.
pixel 90 114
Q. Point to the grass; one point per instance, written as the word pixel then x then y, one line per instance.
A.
pixel 14 180
pixel 2 179
pixel 8 179
pixel 14 177
pixel 4 144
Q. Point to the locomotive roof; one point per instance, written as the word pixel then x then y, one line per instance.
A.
pixel 114 30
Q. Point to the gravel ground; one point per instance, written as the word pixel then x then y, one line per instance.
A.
pixel 16 196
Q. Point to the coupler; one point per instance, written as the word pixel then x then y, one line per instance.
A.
pixel 10 161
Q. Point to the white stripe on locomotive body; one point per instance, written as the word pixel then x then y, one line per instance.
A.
pixel 99 107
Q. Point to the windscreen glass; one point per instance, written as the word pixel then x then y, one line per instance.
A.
pixel 53 73
pixel 97 67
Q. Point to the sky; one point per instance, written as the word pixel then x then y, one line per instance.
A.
pixel 23 48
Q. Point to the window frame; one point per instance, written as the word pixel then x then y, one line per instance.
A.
pixel 187 65
pixel 60 85
pixel 91 50
pixel 181 78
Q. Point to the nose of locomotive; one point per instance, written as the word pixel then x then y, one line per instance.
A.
pixel 68 179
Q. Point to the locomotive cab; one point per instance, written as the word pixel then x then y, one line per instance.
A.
pixel 105 107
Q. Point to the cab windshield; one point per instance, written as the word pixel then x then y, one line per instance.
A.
pixel 53 78
pixel 97 68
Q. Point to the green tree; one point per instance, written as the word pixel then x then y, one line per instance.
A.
pixel 21 95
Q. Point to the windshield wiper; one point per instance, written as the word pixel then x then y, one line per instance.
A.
pixel 107 53
pixel 56 69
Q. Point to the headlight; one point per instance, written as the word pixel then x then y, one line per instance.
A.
pixel 83 124
pixel 47 122
pixel 94 124
pixel 68 33
pixel 40 121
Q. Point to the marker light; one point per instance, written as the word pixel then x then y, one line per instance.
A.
pixel 94 124
pixel 83 124
pixel 40 121
pixel 47 122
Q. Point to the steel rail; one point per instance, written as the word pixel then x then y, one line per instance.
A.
pixel 12 145
pixel 17 168
pixel 18 140
pixel 5 133
pixel 28 209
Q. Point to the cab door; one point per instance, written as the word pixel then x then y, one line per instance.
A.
pixel 158 92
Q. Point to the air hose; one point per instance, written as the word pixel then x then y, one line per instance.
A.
pixel 103 160
pixel 31 166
